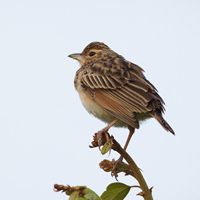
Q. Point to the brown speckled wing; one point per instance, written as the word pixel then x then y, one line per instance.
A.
pixel 122 89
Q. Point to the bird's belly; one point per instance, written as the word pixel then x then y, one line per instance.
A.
pixel 98 111
pixel 93 108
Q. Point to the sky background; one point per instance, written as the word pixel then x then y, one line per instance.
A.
pixel 44 129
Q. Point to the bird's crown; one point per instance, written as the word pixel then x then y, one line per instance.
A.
pixel 95 46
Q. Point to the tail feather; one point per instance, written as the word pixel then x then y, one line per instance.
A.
pixel 158 116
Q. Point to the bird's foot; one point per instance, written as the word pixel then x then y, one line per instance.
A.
pixel 103 137
pixel 115 167
pixel 119 166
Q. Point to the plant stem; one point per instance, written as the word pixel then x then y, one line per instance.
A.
pixel 135 169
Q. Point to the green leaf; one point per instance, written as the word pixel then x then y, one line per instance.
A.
pixel 90 195
pixel 106 147
pixel 89 191
pixel 74 195
pixel 115 191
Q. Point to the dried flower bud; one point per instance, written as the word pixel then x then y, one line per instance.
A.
pixel 68 189
pixel 106 165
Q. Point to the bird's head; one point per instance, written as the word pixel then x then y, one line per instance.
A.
pixel 93 52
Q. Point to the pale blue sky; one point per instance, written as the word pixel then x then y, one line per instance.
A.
pixel 44 129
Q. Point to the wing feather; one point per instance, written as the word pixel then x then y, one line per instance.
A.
pixel 122 90
pixel 116 109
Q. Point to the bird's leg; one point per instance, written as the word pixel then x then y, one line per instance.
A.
pixel 105 131
pixel 132 130
pixel 114 171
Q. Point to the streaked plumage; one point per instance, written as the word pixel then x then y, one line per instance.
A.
pixel 111 87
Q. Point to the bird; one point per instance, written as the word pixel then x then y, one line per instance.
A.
pixel 115 90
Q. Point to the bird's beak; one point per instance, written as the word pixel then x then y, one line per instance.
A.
pixel 76 56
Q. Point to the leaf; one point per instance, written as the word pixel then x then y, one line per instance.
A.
pixel 74 195
pixel 107 147
pixel 115 191
pixel 91 195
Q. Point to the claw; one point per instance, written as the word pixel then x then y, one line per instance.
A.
pixel 105 131
pixel 99 138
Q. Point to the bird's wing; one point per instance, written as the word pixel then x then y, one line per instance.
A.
pixel 122 90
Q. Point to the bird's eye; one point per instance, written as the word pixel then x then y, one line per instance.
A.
pixel 92 53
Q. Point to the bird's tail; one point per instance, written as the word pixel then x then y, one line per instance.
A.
pixel 158 116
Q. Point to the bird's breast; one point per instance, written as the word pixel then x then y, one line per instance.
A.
pixel 91 106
